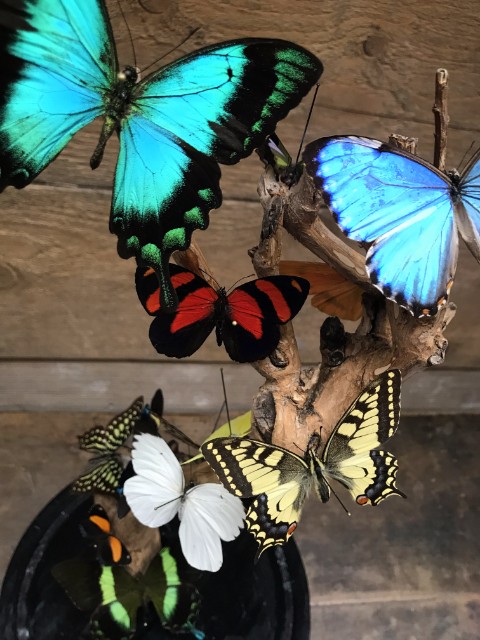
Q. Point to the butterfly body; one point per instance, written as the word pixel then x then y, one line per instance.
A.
pixel 407 211
pixel 246 320
pixel 280 480
pixel 157 493
pixel 60 72
pixel 117 105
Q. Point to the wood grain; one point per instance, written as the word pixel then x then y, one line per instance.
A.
pixel 65 293
pixel 195 388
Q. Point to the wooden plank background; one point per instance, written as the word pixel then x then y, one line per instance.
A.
pixel 65 292
pixel 73 337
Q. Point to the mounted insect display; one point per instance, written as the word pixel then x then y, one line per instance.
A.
pixel 180 517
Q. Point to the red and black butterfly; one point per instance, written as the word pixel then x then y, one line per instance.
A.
pixel 97 528
pixel 246 320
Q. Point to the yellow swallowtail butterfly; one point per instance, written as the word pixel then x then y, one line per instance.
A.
pixel 280 480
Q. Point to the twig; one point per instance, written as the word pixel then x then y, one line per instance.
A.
pixel 441 117
pixel 194 260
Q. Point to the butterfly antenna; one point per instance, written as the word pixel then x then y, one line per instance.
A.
pixel 467 153
pixel 209 276
pixel 168 502
pixel 155 13
pixel 217 419
pixel 251 275
pixel 317 87
pixel 177 46
pixel 129 33
pixel 225 400
pixel 337 497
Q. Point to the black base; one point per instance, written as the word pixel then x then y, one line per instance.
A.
pixel 242 601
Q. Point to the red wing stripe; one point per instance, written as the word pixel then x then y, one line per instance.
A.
pixel 281 306
pixel 245 310
pixel 152 304
pixel 195 307
pixel 180 279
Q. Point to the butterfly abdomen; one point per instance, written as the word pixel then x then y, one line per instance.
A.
pixel 117 102
pixel 222 314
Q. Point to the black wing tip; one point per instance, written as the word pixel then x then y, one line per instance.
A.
pixel 417 308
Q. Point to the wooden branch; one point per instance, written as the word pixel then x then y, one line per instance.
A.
pixel 298 403
pixel 194 260
pixel 441 117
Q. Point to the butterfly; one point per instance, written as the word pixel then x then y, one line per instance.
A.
pixel 238 427
pixel 332 293
pixel 274 154
pixel 280 480
pixel 116 598
pixel 246 320
pixel 408 210
pixel 157 493
pixel 60 72
pixel 97 528
pixel 106 468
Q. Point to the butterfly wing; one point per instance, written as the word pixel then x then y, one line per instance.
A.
pixel 468 209
pixel 255 310
pixel 110 549
pixel 179 333
pixel 117 431
pixel 213 105
pixel 250 468
pixel 103 476
pixel 175 600
pixel 154 493
pixel 385 196
pixel 79 577
pixel 332 293
pixel 58 58
pixel 349 454
pixel 230 95
pixel 208 515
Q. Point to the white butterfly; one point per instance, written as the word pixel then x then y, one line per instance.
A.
pixel 208 513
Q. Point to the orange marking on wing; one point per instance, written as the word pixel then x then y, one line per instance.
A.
pixel 291 529
pixel 332 293
pixel 102 523
pixel 362 500
pixel 116 548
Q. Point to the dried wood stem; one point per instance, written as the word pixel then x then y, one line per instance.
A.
pixel 193 259
pixel 441 117
pixel 293 403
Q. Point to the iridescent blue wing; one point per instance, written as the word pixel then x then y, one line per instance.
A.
pixel 388 197
pixel 57 60
pixel 469 208
pixel 214 105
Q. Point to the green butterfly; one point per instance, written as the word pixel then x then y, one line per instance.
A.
pixel 115 596
pixel 106 468
pixel 280 480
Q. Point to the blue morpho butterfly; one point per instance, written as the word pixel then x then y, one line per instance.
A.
pixel 410 211
pixel 60 71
